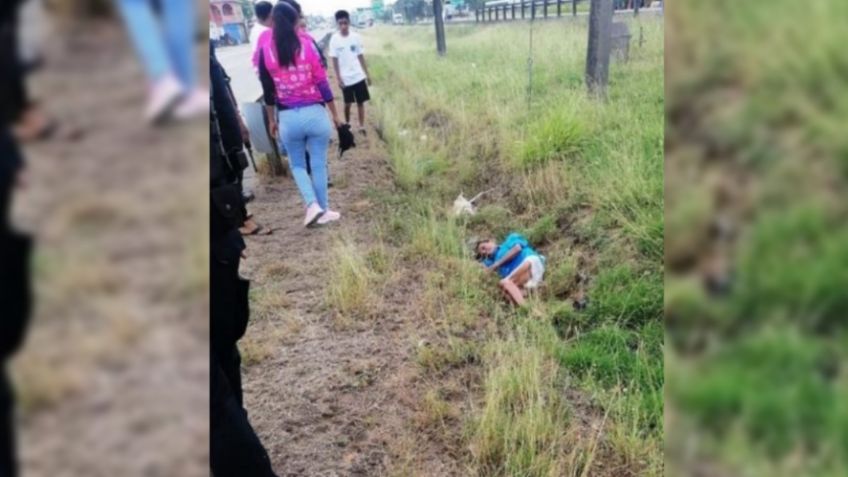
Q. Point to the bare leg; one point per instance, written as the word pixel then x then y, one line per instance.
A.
pixel 521 275
pixel 360 109
pixel 512 285
pixel 512 291
pixel 347 112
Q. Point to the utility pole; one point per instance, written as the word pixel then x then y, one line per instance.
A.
pixel 598 52
pixel 441 46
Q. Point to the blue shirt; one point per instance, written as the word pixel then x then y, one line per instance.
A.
pixel 511 240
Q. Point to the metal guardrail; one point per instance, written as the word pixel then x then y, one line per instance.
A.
pixel 542 9
pixel 526 10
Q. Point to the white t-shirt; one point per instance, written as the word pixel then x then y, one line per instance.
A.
pixel 255 31
pixel 347 49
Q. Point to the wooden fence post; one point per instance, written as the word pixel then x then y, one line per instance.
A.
pixel 559 8
pixel 598 51
pixel 574 8
pixel 513 10
pixel 522 9
pixel 545 5
pixel 439 20
pixel 532 9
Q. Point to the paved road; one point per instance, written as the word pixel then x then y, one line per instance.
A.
pixel 236 60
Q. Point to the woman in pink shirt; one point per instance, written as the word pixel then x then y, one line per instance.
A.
pixel 296 91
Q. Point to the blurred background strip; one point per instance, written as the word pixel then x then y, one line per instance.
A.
pixel 113 378
pixel 756 244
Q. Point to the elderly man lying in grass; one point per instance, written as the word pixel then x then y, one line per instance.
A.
pixel 519 265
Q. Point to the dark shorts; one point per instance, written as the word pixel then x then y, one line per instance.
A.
pixel 356 93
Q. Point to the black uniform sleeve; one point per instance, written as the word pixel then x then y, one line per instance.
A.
pixel 10 157
pixel 269 91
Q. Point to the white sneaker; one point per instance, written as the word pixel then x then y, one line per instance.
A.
pixel 164 96
pixel 329 216
pixel 313 213
pixel 193 105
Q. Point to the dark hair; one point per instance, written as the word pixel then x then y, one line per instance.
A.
pixel 263 10
pixel 477 254
pixel 285 33
pixel 342 15
pixel 295 5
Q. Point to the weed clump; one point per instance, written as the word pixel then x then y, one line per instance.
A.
pixel 350 288
pixel 558 136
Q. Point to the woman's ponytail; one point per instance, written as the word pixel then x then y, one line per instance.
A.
pixel 286 41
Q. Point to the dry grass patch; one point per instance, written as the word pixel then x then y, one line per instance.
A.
pixel 434 411
pixel 268 301
pixel 453 352
pixel 350 290
pixel 275 270
pixel 255 350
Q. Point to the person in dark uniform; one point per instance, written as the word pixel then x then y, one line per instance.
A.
pixel 15 295
pixel 14 247
pixel 234 447
pixel 234 133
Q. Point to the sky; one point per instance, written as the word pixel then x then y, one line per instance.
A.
pixel 329 7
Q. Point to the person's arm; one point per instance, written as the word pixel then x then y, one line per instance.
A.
pixel 512 253
pixel 257 52
pixel 245 133
pixel 269 96
pixel 335 58
pixel 331 106
pixel 365 69
pixel 319 75
pixel 320 53
pixel 362 63
pixel 338 75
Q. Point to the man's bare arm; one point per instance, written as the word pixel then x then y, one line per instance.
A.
pixel 365 68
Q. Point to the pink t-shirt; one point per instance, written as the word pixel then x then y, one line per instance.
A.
pixel 301 84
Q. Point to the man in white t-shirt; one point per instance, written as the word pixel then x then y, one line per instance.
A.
pixel 263 22
pixel 349 64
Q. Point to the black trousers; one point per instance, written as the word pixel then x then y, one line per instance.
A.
pixel 8 462
pixel 235 448
pixel 15 305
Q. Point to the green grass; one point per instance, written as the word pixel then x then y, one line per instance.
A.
pixel 583 179
pixel 756 135
pixel 523 426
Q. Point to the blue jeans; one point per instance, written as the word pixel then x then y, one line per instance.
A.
pixel 307 129
pixel 166 44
